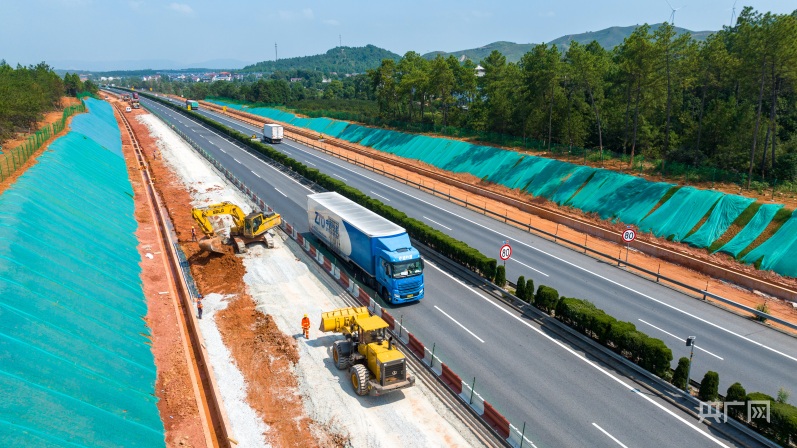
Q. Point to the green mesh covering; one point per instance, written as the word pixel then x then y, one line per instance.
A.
pixel 752 230
pixel 604 183
pixel 100 125
pixel 728 208
pixel 76 363
pixel 680 214
pixel 549 178
pixel 632 201
pixel 571 184
pixel 777 252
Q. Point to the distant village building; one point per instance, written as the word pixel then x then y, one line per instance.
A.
pixel 222 76
pixel 296 79
pixel 479 71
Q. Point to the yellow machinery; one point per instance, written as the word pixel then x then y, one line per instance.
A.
pixel 246 229
pixel 376 366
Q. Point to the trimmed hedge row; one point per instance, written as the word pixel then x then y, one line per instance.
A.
pixel 449 247
pixel 622 337
pixel 782 424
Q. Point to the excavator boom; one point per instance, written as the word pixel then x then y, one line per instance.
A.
pixel 246 228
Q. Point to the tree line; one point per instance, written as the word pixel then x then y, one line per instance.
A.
pixel 276 89
pixel 728 102
pixel 27 92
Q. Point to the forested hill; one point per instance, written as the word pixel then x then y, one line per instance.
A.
pixel 608 38
pixel 339 59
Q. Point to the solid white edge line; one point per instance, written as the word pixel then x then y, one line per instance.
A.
pixel 430 220
pixel 278 191
pixel 680 338
pixel 600 369
pixel 609 435
pixel 456 322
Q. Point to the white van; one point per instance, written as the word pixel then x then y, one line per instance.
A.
pixel 128 109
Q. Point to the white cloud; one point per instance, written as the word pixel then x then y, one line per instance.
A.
pixel 181 8
pixel 304 14
pixel 332 22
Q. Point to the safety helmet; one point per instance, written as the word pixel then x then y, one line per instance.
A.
pixel 305 315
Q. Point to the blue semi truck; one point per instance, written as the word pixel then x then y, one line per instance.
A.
pixel 377 250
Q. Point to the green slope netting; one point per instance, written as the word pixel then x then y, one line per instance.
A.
pixel 752 230
pixel 632 201
pixel 728 208
pixel 778 252
pixel 676 217
pixel 100 125
pixel 612 195
pixel 76 365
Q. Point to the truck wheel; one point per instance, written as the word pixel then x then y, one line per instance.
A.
pixel 342 361
pixel 359 379
pixel 384 295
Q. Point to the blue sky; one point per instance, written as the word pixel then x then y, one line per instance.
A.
pixel 125 33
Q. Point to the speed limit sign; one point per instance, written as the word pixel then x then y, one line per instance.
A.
pixel 629 235
pixel 506 252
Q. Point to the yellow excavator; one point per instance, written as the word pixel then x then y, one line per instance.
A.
pixel 376 366
pixel 246 229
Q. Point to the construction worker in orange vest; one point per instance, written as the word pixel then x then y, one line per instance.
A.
pixel 306 326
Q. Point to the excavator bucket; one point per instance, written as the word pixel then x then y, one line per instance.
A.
pixel 213 244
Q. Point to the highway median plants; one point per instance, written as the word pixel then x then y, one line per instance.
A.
pixel 782 424
pixel 449 247
pixel 621 337
pixel 525 289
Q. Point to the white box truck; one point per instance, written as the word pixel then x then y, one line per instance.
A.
pixel 272 133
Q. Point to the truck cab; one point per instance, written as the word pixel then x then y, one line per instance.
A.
pixel 399 275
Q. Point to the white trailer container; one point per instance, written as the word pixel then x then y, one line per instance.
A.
pixel 272 133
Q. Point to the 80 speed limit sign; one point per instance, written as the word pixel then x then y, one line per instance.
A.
pixel 629 235
pixel 506 252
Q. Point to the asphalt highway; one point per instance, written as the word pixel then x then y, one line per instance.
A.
pixel 565 396
pixel 738 348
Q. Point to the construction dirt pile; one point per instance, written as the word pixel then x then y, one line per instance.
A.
pixel 278 389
